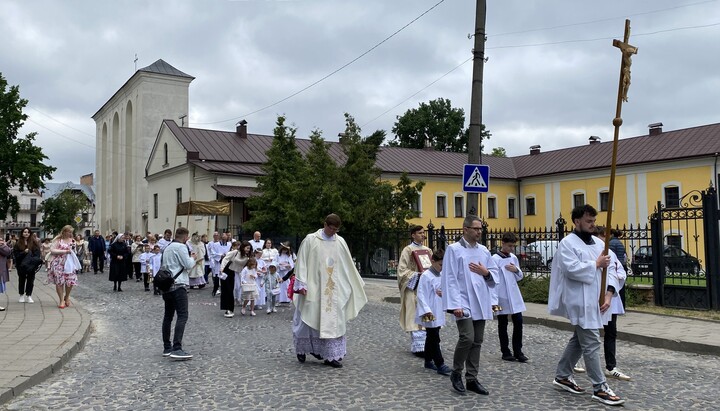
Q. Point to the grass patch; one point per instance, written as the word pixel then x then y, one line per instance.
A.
pixel 691 282
pixel 535 289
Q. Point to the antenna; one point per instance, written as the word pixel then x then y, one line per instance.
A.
pixel 135 61
pixel 182 119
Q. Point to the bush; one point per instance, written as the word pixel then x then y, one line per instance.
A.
pixel 535 289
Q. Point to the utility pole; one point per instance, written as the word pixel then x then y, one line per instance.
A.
pixel 475 134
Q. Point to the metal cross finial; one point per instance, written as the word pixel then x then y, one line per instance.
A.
pixel 135 61
pixel 627 52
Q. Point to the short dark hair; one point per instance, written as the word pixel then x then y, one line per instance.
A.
pixel 509 237
pixel 168 231
pixel 467 222
pixel 415 228
pixel 579 211
pixel 181 232
pixel 333 220
pixel 438 254
pixel 600 230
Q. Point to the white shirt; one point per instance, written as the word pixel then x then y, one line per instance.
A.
pixel 509 297
pixel 428 300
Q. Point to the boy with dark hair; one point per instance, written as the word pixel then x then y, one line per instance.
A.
pixel 430 313
pixel 510 299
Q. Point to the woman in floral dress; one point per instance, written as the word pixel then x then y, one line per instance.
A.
pixel 63 266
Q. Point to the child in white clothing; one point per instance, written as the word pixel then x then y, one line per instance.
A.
pixel 272 282
pixel 154 266
pixel 144 265
pixel 430 314
pixel 248 285
pixel 510 299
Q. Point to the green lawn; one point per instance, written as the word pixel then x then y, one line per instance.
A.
pixel 694 282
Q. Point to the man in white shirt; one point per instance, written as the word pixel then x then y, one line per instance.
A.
pixel 468 277
pixel 176 258
pixel 575 281
pixel 165 240
pixel 257 242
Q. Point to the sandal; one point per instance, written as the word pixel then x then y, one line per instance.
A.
pixel 67 303
pixel 61 306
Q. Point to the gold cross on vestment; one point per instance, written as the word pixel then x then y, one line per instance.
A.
pixel 627 52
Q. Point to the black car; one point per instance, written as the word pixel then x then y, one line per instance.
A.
pixel 676 260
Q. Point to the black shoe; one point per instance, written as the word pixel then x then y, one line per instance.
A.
pixel 147 288
pixel 333 363
pixel 476 387
pixel 319 357
pixel 301 357
pixel 521 357
pixel 508 357
pixel 457 383
pixel 167 351
pixel 420 354
pixel 119 289
pixel 114 288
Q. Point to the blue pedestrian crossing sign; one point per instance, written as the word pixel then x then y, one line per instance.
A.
pixel 476 178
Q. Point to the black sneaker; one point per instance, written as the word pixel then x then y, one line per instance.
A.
pixel 568 384
pixel 166 352
pixel 180 355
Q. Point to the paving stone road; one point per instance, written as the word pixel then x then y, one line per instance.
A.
pixel 248 363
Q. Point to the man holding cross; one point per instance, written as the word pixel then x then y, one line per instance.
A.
pixel 575 282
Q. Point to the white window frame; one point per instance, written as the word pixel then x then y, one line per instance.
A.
pixel 439 194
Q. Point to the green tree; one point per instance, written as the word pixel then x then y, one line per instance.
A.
pixel 498 152
pixel 405 197
pixel 319 182
pixel 61 210
pixel 274 208
pixel 21 162
pixel 436 124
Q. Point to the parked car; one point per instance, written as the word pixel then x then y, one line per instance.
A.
pixel 547 249
pixel 676 260
pixel 528 256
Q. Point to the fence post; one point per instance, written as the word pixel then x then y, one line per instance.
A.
pixel 431 235
pixel 712 246
pixel 560 223
pixel 483 236
pixel 656 236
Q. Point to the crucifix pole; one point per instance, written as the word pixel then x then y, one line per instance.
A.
pixel 624 84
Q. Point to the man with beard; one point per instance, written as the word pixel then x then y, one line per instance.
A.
pixel 575 281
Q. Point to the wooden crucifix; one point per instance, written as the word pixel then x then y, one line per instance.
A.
pixel 624 84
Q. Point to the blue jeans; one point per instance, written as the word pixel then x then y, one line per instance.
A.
pixel 175 301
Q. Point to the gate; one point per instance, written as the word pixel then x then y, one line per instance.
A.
pixel 683 254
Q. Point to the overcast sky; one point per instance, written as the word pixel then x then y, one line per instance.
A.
pixel 551 78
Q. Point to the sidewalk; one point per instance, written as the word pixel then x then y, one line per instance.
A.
pixel 36 340
pixel 659 331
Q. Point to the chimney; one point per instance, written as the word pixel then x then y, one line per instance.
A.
pixel 534 149
pixel 655 129
pixel 594 139
pixel 241 128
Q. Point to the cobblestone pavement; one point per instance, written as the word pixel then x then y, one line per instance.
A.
pixel 248 363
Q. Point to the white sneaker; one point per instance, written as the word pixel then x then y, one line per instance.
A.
pixel 578 368
pixel 29 299
pixel 22 299
pixel 615 373
pixel 252 313
pixel 229 314
pixel 269 311
pixel 274 310
pixel 217 293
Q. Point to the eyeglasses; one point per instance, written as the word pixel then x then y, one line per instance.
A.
pixel 474 228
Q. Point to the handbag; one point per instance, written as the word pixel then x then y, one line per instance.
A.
pixel 164 279
pixel 227 269
pixel 31 264
pixel 275 291
pixel 246 288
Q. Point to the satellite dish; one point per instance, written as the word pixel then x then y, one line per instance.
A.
pixel 379 261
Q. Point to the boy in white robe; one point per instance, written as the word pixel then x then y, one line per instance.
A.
pixel 575 281
pixel 430 314
pixel 144 265
pixel 510 299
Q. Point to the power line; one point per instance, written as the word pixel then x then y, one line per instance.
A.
pixel 417 92
pixel 331 73
pixel 60 122
pixel 600 20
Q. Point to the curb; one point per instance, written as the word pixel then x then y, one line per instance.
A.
pixel 56 361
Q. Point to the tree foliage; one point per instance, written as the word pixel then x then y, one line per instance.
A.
pixel 347 183
pixel 279 188
pixel 21 162
pixel 498 152
pixel 61 210
pixel 435 124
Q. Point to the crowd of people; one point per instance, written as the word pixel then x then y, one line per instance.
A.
pixel 463 280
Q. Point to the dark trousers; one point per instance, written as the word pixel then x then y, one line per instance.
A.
pixel 227 297
pixel 98 261
pixel 517 321
pixel 26 283
pixel 467 351
pixel 136 268
pixel 146 280
pixel 432 346
pixel 216 285
pixel 176 301
pixel 609 342
pixel 207 274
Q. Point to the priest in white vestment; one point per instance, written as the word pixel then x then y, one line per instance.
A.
pixel 328 293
